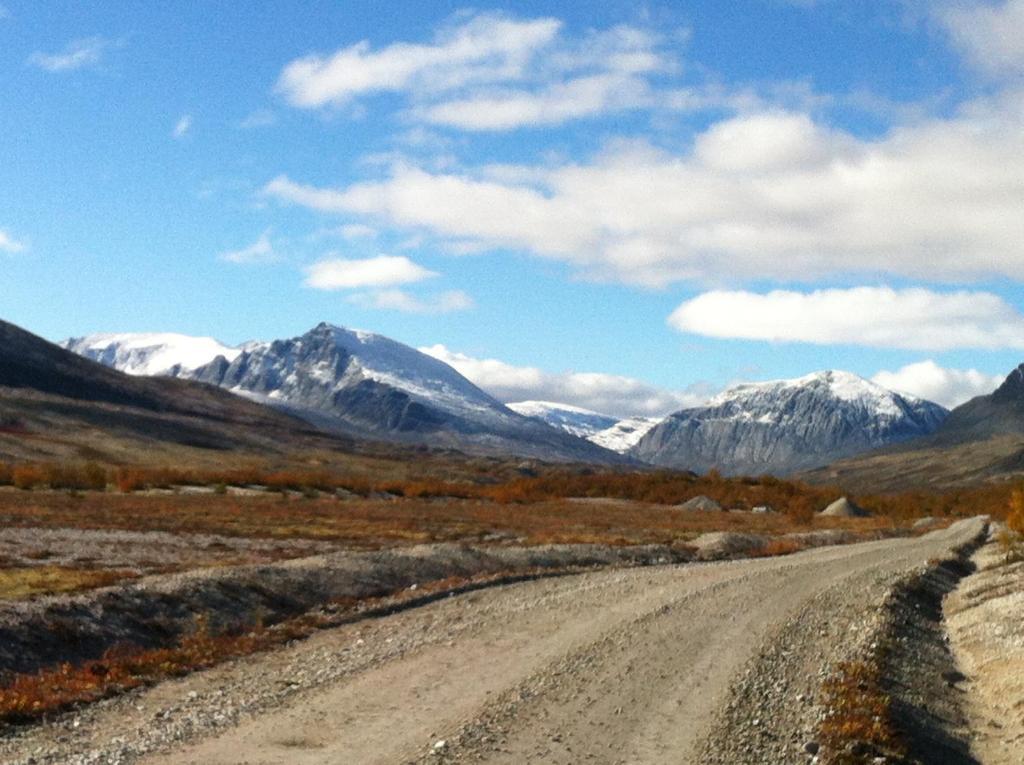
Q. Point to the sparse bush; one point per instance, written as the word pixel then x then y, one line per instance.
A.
pixel 27 477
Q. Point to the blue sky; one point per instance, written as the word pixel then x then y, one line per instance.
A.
pixel 615 207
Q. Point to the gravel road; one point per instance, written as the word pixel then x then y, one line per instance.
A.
pixel 682 664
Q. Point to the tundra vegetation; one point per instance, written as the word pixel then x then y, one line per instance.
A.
pixel 524 504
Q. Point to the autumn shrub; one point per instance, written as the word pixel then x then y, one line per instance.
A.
pixel 28 476
pixel 857 710
pixel 1015 517
pixel 6 474
pixel 776 547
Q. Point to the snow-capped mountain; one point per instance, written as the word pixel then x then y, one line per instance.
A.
pixel 349 381
pixel 572 419
pixel 602 429
pixel 625 434
pixel 157 353
pixel 785 426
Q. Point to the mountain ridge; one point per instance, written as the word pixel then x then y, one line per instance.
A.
pixel 786 426
pixel 364 384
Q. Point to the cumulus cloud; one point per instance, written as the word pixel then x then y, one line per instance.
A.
pixel 610 394
pixel 182 126
pixel 486 48
pixel 399 300
pixel 949 387
pixel 381 271
pixel 988 34
pixel 879 317
pixel 260 251
pixel 9 244
pixel 769 195
pixel 494 72
pixel 87 51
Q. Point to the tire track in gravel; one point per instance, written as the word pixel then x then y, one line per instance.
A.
pixel 613 666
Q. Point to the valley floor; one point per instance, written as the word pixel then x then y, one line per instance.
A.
pixel 709 663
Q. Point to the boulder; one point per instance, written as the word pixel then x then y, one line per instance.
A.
pixel 845 508
pixel 700 503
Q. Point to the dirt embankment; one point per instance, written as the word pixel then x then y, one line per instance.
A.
pixel 621 665
pixel 157 610
pixel 985 618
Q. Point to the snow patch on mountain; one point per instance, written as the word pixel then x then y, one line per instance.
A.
pixel 625 434
pixel 601 429
pixel 148 354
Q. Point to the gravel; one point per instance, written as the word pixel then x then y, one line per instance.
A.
pixel 717 662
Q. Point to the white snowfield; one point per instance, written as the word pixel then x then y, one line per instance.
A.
pixel 147 354
pixel 602 429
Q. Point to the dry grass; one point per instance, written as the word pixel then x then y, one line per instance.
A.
pixel 363 523
pixel 27 697
pixel 858 726
pixel 21 583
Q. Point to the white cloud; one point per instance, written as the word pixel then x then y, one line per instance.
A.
pixel 990 35
pixel 182 126
pixel 870 316
pixel 357 231
pixel 486 48
pixel 87 51
pixel 551 105
pixel 9 244
pixel 493 72
pixel 258 119
pixel 381 271
pixel 949 387
pixel 611 394
pixel 771 195
pixel 399 300
pixel 260 251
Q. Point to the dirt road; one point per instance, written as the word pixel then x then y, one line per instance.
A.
pixel 681 664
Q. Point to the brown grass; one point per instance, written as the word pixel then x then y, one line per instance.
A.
pixel 31 696
pixel 21 583
pixel 375 523
pixel 859 713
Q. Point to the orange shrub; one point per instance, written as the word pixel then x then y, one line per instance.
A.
pixel 1015 519
pixel 28 476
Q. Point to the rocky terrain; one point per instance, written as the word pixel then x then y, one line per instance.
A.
pixel 715 662
pixel 986 630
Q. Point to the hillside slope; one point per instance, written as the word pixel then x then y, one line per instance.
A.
pixel 56 404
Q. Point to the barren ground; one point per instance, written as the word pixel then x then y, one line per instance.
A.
pixel 718 662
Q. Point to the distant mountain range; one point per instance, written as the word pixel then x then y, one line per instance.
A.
pixel 787 426
pixel 352 382
pixel 613 433
pixel 829 426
